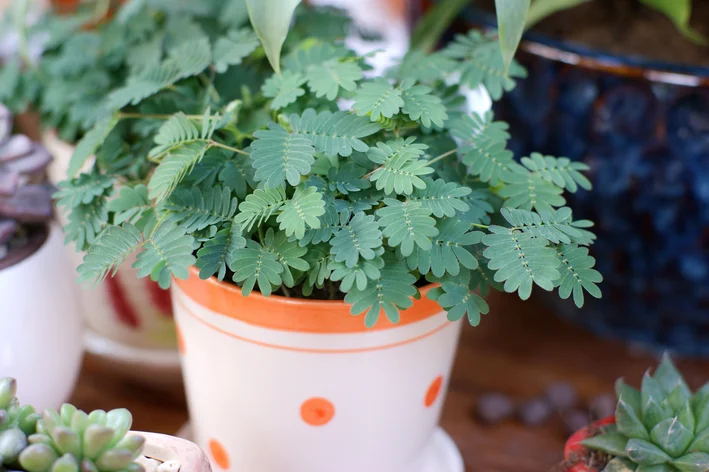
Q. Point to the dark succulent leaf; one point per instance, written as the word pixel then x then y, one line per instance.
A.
pixel 34 162
pixel 9 182
pixel 30 204
pixel 7 230
pixel 651 388
pixel 15 147
pixel 701 415
pixel 653 413
pixel 700 443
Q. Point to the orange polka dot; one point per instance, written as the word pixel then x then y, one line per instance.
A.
pixel 219 454
pixel 180 340
pixel 433 391
pixel 317 411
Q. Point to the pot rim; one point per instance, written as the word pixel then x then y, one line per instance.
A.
pixel 573 444
pixel 304 315
pixel 576 54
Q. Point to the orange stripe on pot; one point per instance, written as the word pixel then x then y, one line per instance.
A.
pixel 180 340
pixel 317 411
pixel 293 314
pixel 219 454
pixel 189 312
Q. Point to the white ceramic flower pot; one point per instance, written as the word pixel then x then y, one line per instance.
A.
pixel 129 320
pixel 288 385
pixel 41 325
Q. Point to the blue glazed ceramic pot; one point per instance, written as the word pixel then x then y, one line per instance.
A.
pixel 643 127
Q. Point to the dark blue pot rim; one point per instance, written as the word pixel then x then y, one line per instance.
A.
pixel 582 56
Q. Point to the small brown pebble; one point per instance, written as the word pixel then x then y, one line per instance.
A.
pixel 493 408
pixel 575 420
pixel 602 406
pixel 562 396
pixel 535 412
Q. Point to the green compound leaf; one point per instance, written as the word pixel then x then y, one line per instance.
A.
pixel 213 256
pixel 389 292
pixel 556 227
pixel 198 207
pixel 284 89
pixel 174 167
pixel 401 167
pixel 520 260
pixel 441 197
pixel 378 99
pixel 358 239
pixel 407 224
pixel 302 58
pixel 301 211
pixel 489 160
pixel 476 128
pixel 421 67
pixel 334 133
pixel 560 171
pixel 260 206
pixel 326 79
pixel 108 252
pixel 449 251
pixel 130 206
pixel 422 105
pixel 288 254
pixel 166 254
pixel 577 274
pixel 358 275
pixel 255 264
pixel 83 189
pixel 482 63
pixel 231 49
pixel 85 223
pixel 459 300
pixel 527 191
pixel 279 156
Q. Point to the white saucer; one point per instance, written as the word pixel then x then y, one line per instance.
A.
pixel 441 455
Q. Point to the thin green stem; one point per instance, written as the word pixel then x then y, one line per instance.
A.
pixel 285 290
pixel 442 156
pixel 156 116
pixel 228 148
pixel 476 225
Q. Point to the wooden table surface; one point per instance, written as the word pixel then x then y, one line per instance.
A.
pixel 519 349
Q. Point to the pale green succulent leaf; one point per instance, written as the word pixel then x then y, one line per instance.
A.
pixel 628 422
pixel 692 462
pixel 611 443
pixel 645 453
pixel 672 436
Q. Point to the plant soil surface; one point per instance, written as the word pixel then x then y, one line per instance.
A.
pixel 24 245
pixel 626 27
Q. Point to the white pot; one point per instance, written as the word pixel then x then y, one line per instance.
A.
pixel 129 320
pixel 41 342
pixel 283 385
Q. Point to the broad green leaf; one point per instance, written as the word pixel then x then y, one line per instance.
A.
pixel 679 12
pixel 271 20
pixel 90 142
pixel 511 18
pixel 541 9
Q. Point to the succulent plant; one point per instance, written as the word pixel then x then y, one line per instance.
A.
pixel 73 441
pixel 16 423
pixel 663 427
pixel 25 198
